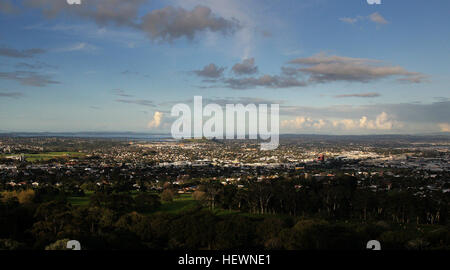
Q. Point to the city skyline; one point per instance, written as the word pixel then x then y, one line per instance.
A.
pixel 334 68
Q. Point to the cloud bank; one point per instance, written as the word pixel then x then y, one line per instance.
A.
pixel 317 69
pixel 382 122
pixel 165 24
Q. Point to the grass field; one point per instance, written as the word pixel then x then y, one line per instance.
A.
pixel 52 155
pixel 80 201
pixel 47 156
pixel 180 203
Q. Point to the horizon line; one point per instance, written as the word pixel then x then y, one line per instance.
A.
pixel 2 132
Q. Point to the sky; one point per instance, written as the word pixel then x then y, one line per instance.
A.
pixel 335 67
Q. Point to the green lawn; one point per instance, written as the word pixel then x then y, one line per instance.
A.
pixel 181 203
pixel 80 201
pixel 44 156
pixel 52 155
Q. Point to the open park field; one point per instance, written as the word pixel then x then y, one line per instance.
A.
pixel 45 156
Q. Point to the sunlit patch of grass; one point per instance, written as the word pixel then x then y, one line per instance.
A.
pixel 179 204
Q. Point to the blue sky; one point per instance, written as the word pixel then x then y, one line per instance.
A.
pixel 110 65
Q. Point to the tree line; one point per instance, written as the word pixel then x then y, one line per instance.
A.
pixel 281 214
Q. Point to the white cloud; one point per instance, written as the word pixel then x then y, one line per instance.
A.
pixel 377 18
pixel 382 122
pixel 303 122
pixel 80 46
pixel 348 20
pixel 319 124
pixel 445 127
pixel 346 124
pixel 156 121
